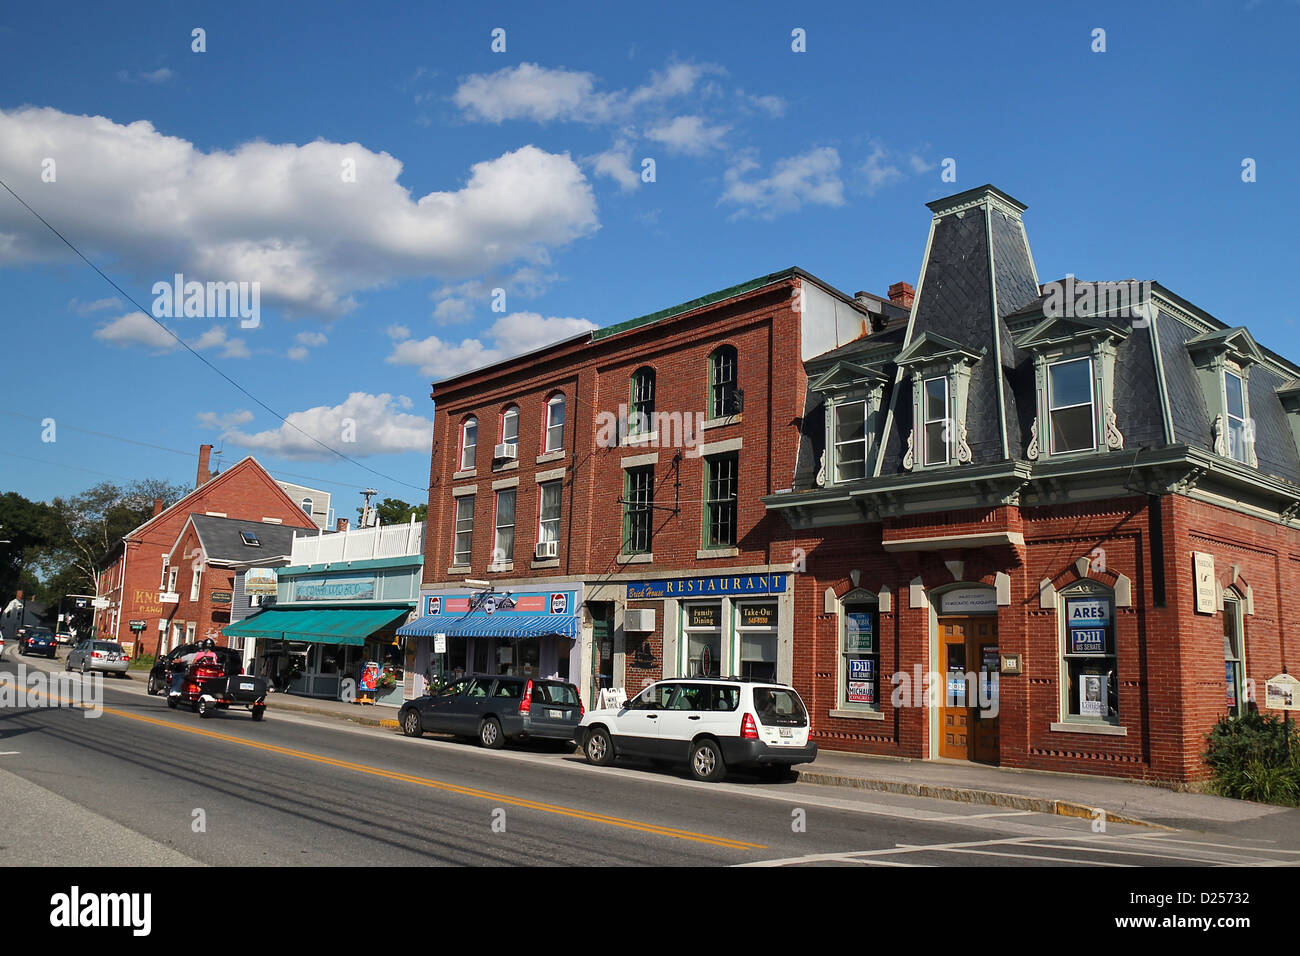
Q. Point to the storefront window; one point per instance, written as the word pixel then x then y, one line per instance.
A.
pixel 1088 665
pixel 860 656
pixel 756 627
pixel 1232 655
pixel 703 643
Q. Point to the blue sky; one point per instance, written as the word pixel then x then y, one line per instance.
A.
pixel 521 170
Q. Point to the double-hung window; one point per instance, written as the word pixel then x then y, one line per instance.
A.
pixel 638 510
pixel 555 423
pixel 724 399
pixel 1234 664
pixel 1235 392
pixel 720 501
pixel 510 427
pixel 641 415
pixel 1070 405
pixel 859 657
pixel 196 584
pixel 1088 665
pixel 464 543
pixel 850 440
pixel 934 399
pixel 503 546
pixel 468 443
pixel 548 520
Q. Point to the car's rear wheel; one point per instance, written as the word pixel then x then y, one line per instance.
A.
pixel 152 687
pixel 706 761
pixel 599 749
pixel 411 724
pixel 172 702
pixel 204 708
pixel 259 713
pixel 490 735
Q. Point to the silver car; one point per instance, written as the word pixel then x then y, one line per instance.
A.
pixel 106 656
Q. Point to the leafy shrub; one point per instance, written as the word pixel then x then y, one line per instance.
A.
pixel 1250 759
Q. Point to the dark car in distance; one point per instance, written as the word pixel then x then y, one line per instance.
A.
pixel 166 666
pixel 37 640
pixel 496 709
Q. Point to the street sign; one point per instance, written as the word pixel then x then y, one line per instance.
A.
pixel 138 626
pixel 101 603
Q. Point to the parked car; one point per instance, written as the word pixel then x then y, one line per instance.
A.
pixel 64 637
pixel 165 667
pixel 37 640
pixel 497 709
pixel 91 655
pixel 708 724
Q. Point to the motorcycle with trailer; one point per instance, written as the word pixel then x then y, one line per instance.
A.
pixel 205 687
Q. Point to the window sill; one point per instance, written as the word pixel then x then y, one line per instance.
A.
pixel 857 714
pixel 550 456
pixel 499 568
pixel 509 465
pixel 644 438
pixel 459 569
pixel 643 557
pixel 461 475
pixel 1079 727
pixel 545 563
pixel 717 553
pixel 724 420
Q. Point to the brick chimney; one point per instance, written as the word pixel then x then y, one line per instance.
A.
pixel 205 452
pixel 902 294
pixel 157 507
pixel 341 524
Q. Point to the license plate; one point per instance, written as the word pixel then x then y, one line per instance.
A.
pixel 244 686
pixel 555 714
pixel 786 732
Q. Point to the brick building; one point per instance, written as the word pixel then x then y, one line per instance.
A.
pixel 1041 525
pixel 140 585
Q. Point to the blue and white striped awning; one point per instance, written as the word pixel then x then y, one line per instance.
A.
pixel 478 624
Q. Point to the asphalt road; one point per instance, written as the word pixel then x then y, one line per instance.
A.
pixel 142 784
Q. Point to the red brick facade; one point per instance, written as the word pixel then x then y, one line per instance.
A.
pixel 133 578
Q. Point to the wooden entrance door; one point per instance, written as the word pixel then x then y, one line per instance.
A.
pixel 968 654
pixel 954 712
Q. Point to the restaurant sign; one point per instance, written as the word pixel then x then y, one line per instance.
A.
pixel 707 586
pixel 334 589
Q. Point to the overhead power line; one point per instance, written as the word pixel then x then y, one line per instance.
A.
pixel 185 345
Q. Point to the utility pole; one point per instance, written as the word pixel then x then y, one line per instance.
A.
pixel 365 512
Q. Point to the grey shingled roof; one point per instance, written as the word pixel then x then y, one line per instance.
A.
pixel 222 541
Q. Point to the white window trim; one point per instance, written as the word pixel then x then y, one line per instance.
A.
pixel 497 526
pixel 551 403
pixel 196 584
pixel 1068 722
pixel 833 409
pixel 558 520
pixel 1092 404
pixel 473 462
pixel 845 708
pixel 456 532
pixel 1235 604
pixel 946 422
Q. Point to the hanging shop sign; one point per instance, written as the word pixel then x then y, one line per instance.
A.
pixel 334 588
pixel 1282 693
pixel 969 601
pixel 220 597
pixel 708 586
pixel 1206 595
pixel 758 615
pixel 260 582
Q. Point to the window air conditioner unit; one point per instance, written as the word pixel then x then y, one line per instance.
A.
pixel 641 620
pixel 506 450
pixel 548 549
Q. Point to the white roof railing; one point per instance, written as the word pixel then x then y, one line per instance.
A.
pixel 382 541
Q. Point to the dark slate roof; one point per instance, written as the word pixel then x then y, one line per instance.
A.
pixel 956 300
pixel 222 541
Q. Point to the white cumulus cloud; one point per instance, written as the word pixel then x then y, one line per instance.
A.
pixel 809 178
pixel 282 214
pixel 510 335
pixel 361 425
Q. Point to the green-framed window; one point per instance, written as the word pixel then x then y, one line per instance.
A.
pixel 724 398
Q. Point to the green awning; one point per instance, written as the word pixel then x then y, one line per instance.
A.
pixel 334 625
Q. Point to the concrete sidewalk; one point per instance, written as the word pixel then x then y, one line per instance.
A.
pixel 370 715
pixel 1080 795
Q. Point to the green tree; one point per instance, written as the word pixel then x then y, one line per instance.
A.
pixel 26 528
pixel 396 511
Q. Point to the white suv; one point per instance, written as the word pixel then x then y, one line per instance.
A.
pixel 709 724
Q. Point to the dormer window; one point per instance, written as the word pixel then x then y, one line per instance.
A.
pixel 1223 361
pixel 937 421
pixel 940 370
pixel 1074 375
pixel 1071 406
pixel 853 398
